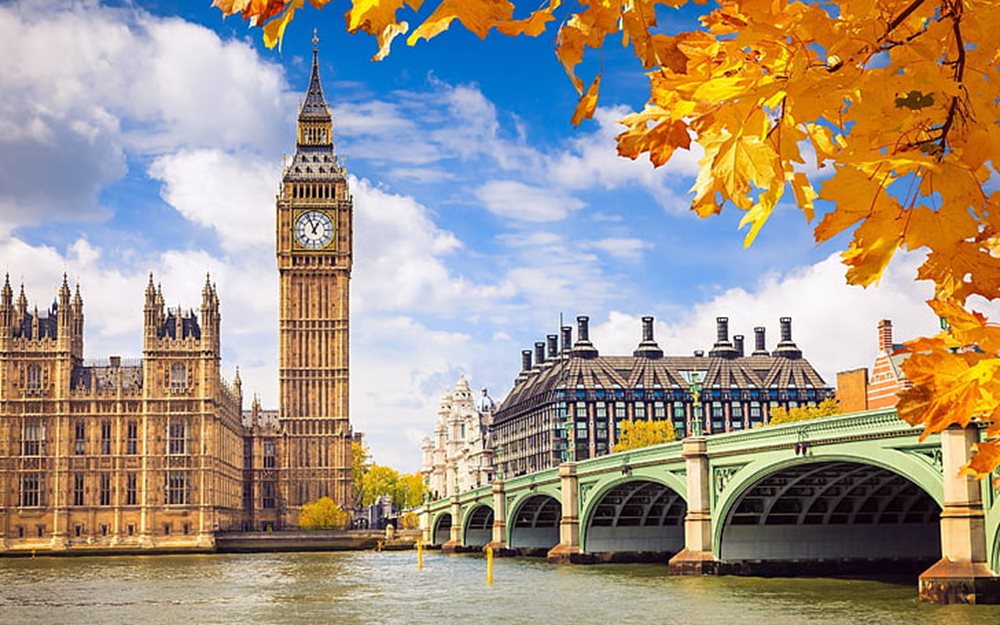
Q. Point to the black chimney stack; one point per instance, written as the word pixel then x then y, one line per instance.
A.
pixel 722 348
pixel 553 345
pixel 648 347
pixel 567 338
pixel 738 344
pixel 525 367
pixel 786 347
pixel 759 347
pixel 722 329
pixel 583 347
pixel 539 353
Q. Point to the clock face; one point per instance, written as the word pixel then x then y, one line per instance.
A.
pixel 314 230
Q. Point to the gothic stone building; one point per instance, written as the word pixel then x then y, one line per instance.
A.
pixel 460 456
pixel 97 454
pixel 570 404
pixel 158 453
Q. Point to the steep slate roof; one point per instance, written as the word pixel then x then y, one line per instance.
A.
pixel 629 372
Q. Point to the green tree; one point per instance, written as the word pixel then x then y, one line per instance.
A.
pixel 804 413
pixel 410 491
pixel 322 514
pixel 636 434
pixel 379 480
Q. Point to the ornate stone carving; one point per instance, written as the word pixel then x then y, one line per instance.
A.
pixel 722 475
pixel 585 488
pixel 930 455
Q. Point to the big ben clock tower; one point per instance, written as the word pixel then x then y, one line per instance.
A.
pixel 314 265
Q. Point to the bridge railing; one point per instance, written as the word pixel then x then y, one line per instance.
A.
pixel 861 425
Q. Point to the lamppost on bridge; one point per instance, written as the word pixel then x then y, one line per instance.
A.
pixel 696 407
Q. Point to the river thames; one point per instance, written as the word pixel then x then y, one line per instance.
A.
pixel 348 588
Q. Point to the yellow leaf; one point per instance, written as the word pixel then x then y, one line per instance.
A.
pixel 855 196
pixel 588 103
pixel 533 25
pixel 761 211
pixel 274 30
pixel 987 459
pixel 743 160
pixel 659 141
pixel 479 16
pixel 804 193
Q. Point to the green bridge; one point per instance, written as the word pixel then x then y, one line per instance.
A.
pixel 857 493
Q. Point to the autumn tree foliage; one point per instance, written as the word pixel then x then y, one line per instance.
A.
pixel 371 481
pixel 322 514
pixel 825 408
pixel 637 434
pixel 887 110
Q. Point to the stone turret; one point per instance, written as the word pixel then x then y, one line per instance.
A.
pixel 210 317
pixel 6 314
pixel 77 324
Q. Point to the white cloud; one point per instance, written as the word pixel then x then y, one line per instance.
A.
pixel 399 259
pixel 399 370
pixel 592 161
pixel 624 248
pixel 516 200
pixel 230 193
pixel 82 85
pixel 833 323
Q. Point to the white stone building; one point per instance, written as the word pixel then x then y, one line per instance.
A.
pixel 459 457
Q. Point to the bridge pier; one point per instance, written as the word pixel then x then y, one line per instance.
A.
pixel 962 575
pixel 498 542
pixel 455 532
pixel 426 531
pixel 569 524
pixel 696 558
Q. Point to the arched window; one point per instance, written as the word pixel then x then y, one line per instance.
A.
pixel 178 376
pixel 34 377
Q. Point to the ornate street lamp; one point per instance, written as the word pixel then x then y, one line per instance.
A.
pixel 696 411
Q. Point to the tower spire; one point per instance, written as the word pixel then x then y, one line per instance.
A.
pixel 314 107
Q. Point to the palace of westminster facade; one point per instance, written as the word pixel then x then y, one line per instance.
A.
pixel 158 452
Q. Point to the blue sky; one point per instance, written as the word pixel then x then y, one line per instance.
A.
pixel 138 137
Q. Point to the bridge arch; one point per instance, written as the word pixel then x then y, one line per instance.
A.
pixel 633 515
pixel 534 524
pixel 478 526
pixel 441 529
pixel 828 510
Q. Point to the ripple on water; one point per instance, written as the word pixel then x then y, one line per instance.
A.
pixel 385 588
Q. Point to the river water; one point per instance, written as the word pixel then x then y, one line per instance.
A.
pixel 348 588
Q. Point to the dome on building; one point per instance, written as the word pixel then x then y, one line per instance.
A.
pixel 485 403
